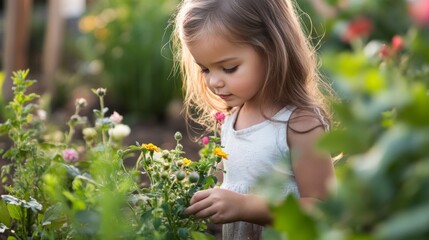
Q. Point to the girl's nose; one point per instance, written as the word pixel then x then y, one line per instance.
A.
pixel 215 82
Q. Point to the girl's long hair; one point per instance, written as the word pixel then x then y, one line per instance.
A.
pixel 273 29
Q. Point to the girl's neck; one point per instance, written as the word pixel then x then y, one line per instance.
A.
pixel 250 115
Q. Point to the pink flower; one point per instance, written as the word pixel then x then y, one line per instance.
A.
pixel 116 117
pixel 219 117
pixel 419 11
pixel 397 43
pixel 385 52
pixel 205 140
pixel 70 155
pixel 359 27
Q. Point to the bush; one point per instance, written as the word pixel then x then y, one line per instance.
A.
pixel 64 187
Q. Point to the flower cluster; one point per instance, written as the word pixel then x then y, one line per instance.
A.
pixel 67 188
pixel 173 180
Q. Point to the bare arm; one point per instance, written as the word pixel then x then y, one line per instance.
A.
pixel 313 168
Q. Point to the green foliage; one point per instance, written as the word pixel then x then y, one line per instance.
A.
pixel 130 40
pixel 69 188
pixel 23 131
pixel 383 134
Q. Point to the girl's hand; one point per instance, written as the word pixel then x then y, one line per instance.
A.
pixel 219 205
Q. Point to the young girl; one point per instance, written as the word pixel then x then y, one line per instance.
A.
pixel 250 58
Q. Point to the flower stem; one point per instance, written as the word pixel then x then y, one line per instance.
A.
pixel 103 132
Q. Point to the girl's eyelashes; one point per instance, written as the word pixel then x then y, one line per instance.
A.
pixel 204 70
pixel 226 70
pixel 230 70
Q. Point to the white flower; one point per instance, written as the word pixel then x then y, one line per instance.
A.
pixel 116 118
pixel 120 131
pixel 42 114
pixel 81 103
pixel 89 132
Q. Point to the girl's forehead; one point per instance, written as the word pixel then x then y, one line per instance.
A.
pixel 216 49
pixel 213 43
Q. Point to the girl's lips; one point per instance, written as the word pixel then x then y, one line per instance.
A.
pixel 224 96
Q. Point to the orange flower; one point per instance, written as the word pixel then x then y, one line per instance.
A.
pixel 151 147
pixel 218 151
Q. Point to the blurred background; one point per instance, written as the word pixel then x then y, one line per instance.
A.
pixel 71 46
pixel 374 53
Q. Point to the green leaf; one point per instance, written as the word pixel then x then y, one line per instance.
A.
pixel 9 199
pixel 53 214
pixel 183 233
pixel 351 141
pixel 271 234
pixel 201 236
pixel 289 218
pixel 4 214
pixel 33 204
pixel 16 212
pixel 405 224
pixel 72 170
pixel 415 113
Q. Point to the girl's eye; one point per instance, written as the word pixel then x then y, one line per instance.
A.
pixel 204 70
pixel 230 70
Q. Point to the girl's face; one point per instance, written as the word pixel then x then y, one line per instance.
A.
pixel 233 72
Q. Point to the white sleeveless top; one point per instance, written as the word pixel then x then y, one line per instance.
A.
pixel 252 152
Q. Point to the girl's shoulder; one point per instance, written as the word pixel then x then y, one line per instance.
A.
pixel 306 120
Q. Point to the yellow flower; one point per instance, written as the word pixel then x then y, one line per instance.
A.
pixel 186 162
pixel 218 151
pixel 151 147
pixel 88 23
pixel 101 33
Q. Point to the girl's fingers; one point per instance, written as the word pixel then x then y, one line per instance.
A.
pixel 206 212
pixel 197 207
pixel 198 203
pixel 200 195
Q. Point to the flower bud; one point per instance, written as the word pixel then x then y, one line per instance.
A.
pixel 205 140
pixel 74 119
pixel 70 155
pixel 194 177
pixel 179 147
pixel 219 117
pixel 120 131
pixel 397 43
pixel 89 132
pixel 166 166
pixel 180 175
pixel 81 103
pixel 178 136
pixel 101 92
pixel 116 118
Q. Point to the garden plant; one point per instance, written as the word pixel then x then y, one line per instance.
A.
pixel 63 187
